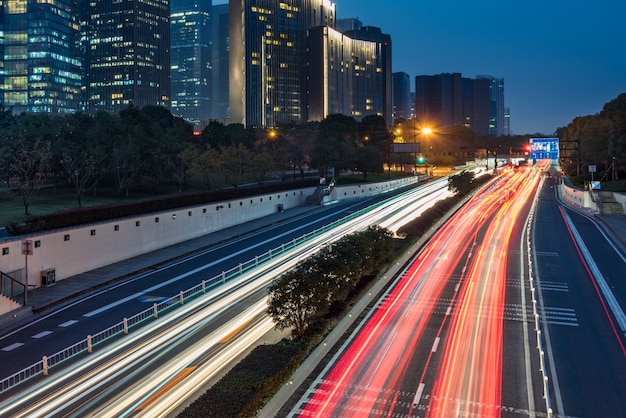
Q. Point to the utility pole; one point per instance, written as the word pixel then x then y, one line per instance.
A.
pixel 27 249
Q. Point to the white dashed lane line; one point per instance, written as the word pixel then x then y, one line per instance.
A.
pixel 41 334
pixel 12 346
pixel 68 323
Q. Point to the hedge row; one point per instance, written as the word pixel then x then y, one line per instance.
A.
pixel 80 216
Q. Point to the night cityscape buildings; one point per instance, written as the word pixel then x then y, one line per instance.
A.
pixel 127 54
pixel 258 63
pixel 449 99
pixel 191 57
pixel 40 66
pixel 268 58
pixel 348 74
pixel 402 107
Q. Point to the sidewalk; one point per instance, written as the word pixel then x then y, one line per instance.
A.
pixel 64 291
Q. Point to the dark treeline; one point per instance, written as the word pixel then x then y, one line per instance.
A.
pixel 149 146
pixel 602 139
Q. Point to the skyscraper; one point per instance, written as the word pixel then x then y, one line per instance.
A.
pixel 191 58
pixel 128 54
pixel 451 100
pixel 373 89
pixel 40 56
pixel 401 95
pixel 497 122
pixel 268 58
pixel 347 74
pixel 220 40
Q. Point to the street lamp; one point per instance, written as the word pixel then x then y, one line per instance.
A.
pixel 426 132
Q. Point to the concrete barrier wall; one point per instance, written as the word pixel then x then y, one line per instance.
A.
pixel 75 250
pixel 339 193
pixel 577 197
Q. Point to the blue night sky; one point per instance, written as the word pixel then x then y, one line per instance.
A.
pixel 559 58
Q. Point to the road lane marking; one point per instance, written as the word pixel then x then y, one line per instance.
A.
pixel 12 346
pixel 42 334
pixel 611 301
pixel 68 323
pixel 418 395
pixel 435 345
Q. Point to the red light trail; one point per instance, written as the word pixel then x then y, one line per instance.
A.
pixel 367 379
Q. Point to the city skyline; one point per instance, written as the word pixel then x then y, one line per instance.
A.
pixel 559 60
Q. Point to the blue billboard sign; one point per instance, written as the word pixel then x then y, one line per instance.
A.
pixel 544 148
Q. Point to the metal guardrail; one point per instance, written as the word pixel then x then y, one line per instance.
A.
pixel 542 361
pixel 87 345
pixel 12 288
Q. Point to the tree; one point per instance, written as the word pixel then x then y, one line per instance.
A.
pixel 461 183
pixel 234 163
pixel 82 157
pixel 305 294
pixel 295 301
pixel 373 132
pixel 368 160
pixel 336 143
pixel 204 166
pixel 30 155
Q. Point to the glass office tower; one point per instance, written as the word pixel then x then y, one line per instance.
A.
pixel 128 54
pixel 191 58
pixel 268 58
pixel 41 69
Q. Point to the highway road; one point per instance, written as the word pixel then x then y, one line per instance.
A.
pixel 106 385
pixel 581 277
pixel 456 335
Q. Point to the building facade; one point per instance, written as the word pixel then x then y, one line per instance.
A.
pixel 372 68
pixel 220 39
pixel 268 58
pixel 127 54
pixel 446 100
pixel 345 75
pixel 497 122
pixel 401 96
pixel 191 60
pixel 40 56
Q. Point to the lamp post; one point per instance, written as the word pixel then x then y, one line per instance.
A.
pixel 426 132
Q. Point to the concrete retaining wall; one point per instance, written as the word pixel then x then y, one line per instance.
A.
pixel 577 197
pixel 339 193
pixel 75 250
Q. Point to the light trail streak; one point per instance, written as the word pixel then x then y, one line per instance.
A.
pixel 87 381
pixel 366 379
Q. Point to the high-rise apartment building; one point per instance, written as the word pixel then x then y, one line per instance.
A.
pixel 401 83
pixel 191 60
pixel 220 82
pixel 127 54
pixel 446 100
pixel 268 58
pixel 347 75
pixel 497 122
pixel 40 56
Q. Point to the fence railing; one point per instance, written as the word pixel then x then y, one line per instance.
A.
pixel 542 361
pixel 87 345
pixel 12 288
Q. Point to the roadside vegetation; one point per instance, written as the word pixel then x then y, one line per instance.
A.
pixel 60 162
